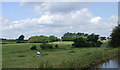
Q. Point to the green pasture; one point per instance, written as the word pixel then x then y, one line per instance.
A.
pixel 65 56
pixel 10 41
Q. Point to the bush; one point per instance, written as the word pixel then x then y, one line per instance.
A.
pixel 56 46
pixel 33 47
pixel 46 46
pixel 98 43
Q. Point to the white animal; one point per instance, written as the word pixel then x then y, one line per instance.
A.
pixel 38 54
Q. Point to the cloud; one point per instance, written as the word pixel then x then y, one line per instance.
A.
pixel 58 23
pixel 59 6
pixel 95 20
pixel 55 7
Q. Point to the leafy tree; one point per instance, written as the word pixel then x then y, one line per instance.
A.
pixel 68 38
pixel 21 38
pixel 85 35
pixel 71 36
pixel 115 37
pixel 90 40
pixel 53 38
pixel 38 39
pixel 93 40
pixel 42 39
pixel 80 42
pixel 98 43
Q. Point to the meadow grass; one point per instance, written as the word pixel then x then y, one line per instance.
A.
pixel 10 41
pixel 65 56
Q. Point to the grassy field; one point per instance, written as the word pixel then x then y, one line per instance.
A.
pixel 10 41
pixel 20 56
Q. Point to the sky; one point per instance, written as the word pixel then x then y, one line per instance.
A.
pixel 57 18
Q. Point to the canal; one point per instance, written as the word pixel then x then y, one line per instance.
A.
pixel 113 63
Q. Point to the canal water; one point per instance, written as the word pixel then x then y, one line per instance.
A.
pixel 112 64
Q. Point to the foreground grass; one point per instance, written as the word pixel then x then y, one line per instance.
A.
pixel 20 56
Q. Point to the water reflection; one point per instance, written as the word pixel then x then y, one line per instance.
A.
pixel 113 64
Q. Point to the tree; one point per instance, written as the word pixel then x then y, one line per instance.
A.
pixel 71 36
pixel 93 40
pixel 90 40
pixel 42 39
pixel 115 37
pixel 80 42
pixel 38 39
pixel 53 38
pixel 85 35
pixel 68 38
pixel 21 38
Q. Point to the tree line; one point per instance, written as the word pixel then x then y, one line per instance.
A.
pixel 42 39
pixel 66 37
pixel 71 36
pixel 91 40
pixel 79 39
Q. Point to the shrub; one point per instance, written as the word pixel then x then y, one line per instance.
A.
pixel 98 43
pixel 46 46
pixel 33 47
pixel 56 46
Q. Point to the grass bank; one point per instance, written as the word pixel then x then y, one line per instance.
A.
pixel 20 56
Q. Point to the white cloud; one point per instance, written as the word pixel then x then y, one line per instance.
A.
pixel 55 7
pixel 95 20
pixel 58 23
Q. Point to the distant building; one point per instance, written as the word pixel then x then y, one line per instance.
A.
pixel 104 39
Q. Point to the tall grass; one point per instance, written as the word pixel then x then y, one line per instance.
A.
pixel 20 56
